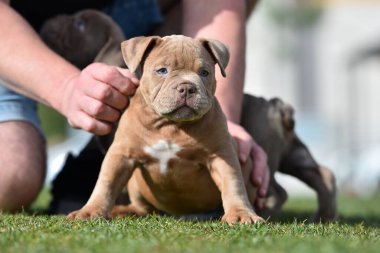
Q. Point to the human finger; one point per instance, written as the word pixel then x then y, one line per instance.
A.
pixel 106 94
pixel 244 147
pixel 260 176
pixel 99 110
pixel 243 139
pixel 89 124
pixel 120 80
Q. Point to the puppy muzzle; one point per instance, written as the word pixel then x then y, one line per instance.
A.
pixel 184 101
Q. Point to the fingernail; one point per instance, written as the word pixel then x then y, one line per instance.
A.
pixel 135 80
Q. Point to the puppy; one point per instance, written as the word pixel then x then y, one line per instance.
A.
pixel 172 149
pixel 271 123
pixel 85 37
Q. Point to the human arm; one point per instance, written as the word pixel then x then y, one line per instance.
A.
pixel 90 99
pixel 224 20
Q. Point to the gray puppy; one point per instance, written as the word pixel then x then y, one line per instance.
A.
pixel 90 36
pixel 85 37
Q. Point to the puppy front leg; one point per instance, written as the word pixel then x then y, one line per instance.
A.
pixel 228 178
pixel 115 172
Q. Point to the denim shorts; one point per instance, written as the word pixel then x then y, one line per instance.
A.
pixel 135 17
pixel 15 107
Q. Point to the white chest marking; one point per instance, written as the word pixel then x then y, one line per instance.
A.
pixel 163 151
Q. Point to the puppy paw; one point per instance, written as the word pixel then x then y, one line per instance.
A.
pixel 327 210
pixel 242 217
pixel 87 213
pixel 128 210
pixel 324 216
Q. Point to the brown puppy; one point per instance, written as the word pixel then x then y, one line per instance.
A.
pixel 172 147
pixel 270 122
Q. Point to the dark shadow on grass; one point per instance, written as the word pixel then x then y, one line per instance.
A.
pixel 36 211
pixel 290 216
pixel 285 217
pixel 367 221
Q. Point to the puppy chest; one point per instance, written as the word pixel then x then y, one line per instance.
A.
pixel 162 152
pixel 175 178
pixel 167 158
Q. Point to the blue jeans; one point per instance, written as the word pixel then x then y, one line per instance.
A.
pixel 135 17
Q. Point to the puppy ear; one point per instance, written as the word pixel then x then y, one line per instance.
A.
pixel 219 52
pixel 136 49
pixel 110 54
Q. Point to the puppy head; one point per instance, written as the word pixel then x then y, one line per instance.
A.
pixel 80 37
pixel 177 73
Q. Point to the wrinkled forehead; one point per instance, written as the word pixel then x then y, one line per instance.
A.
pixel 181 52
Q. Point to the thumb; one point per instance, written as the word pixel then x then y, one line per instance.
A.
pixel 130 75
pixel 244 148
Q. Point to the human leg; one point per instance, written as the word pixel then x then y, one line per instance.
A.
pixel 22 156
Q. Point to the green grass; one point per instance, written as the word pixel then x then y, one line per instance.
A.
pixel 356 231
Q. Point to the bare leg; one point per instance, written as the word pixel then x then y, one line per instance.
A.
pixel 22 165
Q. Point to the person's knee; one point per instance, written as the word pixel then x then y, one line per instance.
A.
pixel 22 165
pixel 19 192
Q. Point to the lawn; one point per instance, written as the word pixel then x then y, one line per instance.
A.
pixel 356 231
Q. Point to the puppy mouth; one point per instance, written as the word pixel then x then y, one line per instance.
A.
pixel 181 108
pixel 183 112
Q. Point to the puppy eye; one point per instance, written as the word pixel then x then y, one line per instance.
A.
pixel 80 24
pixel 204 73
pixel 162 71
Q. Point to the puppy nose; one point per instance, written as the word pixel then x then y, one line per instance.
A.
pixel 185 89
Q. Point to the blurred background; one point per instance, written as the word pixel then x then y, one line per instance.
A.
pixel 321 56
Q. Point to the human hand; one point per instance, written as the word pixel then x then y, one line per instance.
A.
pixel 94 99
pixel 248 147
